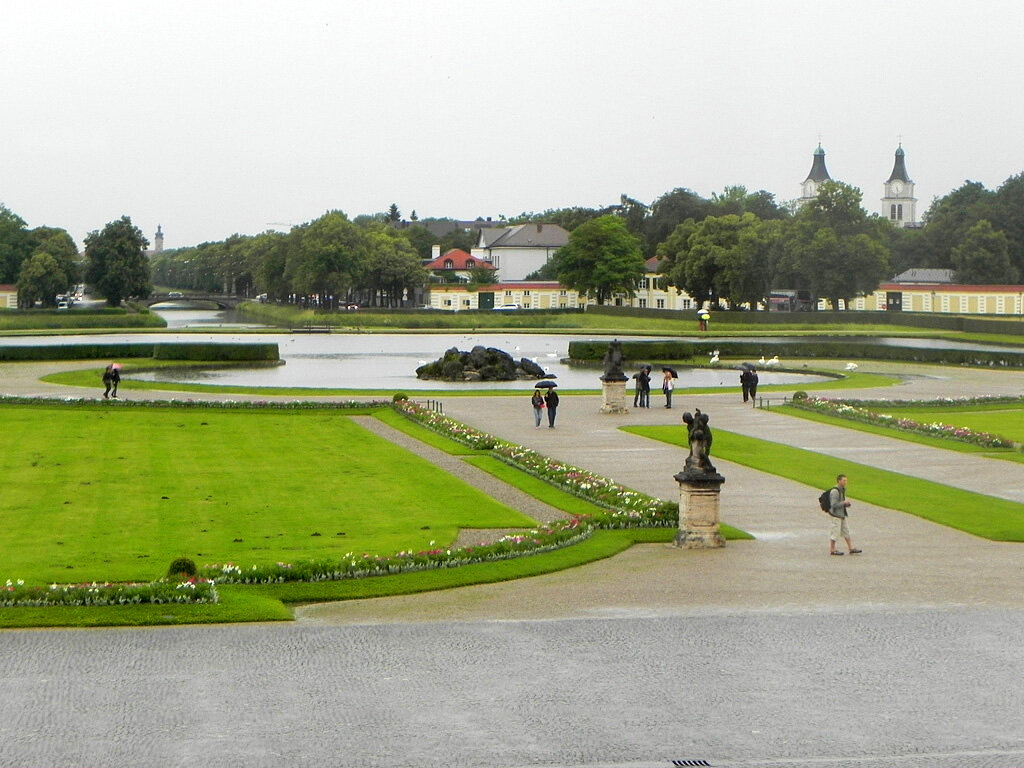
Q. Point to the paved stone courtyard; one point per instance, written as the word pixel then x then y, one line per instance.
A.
pixel 765 653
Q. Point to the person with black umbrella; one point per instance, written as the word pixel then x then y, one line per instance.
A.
pixel 551 402
pixel 668 383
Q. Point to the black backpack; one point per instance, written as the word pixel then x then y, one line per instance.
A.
pixel 825 501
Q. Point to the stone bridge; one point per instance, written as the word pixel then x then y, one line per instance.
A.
pixel 222 301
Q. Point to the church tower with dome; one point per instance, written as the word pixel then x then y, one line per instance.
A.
pixel 817 176
pixel 899 204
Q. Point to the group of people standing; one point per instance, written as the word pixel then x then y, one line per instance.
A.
pixel 544 401
pixel 642 392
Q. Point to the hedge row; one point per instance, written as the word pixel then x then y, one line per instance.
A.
pixel 171 351
pixel 1007 325
pixel 665 351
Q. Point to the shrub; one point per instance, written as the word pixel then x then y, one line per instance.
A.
pixel 799 395
pixel 181 567
pixel 399 397
pixel 215 351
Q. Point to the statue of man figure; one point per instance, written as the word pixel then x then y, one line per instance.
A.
pixel 613 361
pixel 699 435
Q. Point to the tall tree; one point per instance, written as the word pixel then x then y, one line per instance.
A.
pixel 330 257
pixel 948 219
pixel 116 263
pixel 668 212
pixel 40 279
pixel 393 213
pixel 394 268
pixel 833 248
pixel 601 258
pixel 59 244
pixel 983 257
pixel 14 244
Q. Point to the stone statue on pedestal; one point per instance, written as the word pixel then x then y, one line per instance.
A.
pixel 613 362
pixel 699 436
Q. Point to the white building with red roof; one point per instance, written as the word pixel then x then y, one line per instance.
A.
pixel 8 297
pixel 455 265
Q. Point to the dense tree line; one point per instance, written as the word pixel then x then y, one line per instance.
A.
pixel 734 246
pixel 41 262
pixel 330 260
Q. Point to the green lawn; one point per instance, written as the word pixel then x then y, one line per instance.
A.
pixel 984 516
pixel 108 494
pixel 950 416
pixel 1004 420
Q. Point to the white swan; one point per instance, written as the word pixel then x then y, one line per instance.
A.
pixel 761 361
pixel 851 366
pixel 774 361
pixel 714 357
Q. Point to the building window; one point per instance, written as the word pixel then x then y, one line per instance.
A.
pixel 642 303
pixel 447 302
pixel 687 303
pixel 660 303
pixel 899 212
pixel 508 293
pixel 449 264
pixel 526 293
pixel 470 263
pixel 465 302
pixel 892 212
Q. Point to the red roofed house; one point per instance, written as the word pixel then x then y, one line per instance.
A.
pixel 455 266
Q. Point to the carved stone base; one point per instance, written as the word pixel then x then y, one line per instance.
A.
pixel 698 511
pixel 614 396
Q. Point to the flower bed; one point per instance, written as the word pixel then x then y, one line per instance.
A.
pixel 189 591
pixel 553 536
pixel 860 411
pixel 626 508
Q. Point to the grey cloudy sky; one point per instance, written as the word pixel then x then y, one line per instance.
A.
pixel 215 118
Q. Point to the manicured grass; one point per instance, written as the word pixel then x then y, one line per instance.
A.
pixel 1005 454
pixel 409 427
pixel 1006 421
pixel 110 494
pixel 974 513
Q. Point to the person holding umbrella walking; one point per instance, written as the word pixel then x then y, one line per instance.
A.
pixel 550 400
pixel 668 383
pixel 538 407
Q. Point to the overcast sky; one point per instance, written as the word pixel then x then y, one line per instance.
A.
pixel 211 118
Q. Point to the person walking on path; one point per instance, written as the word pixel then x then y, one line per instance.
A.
pixel 667 385
pixel 551 401
pixel 837 498
pixel 745 383
pixel 538 407
pixel 644 383
pixel 111 378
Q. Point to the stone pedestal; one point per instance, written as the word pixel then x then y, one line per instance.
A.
pixel 698 510
pixel 613 392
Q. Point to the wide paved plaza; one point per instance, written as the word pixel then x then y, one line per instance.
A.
pixel 764 653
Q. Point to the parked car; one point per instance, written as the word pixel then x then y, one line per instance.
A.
pixel 63 305
pixel 175 295
pixel 507 308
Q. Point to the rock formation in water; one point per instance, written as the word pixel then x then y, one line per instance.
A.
pixel 481 364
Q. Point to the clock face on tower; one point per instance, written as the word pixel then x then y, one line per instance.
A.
pixel 897 188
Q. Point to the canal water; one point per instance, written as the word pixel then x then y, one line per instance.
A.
pixel 389 361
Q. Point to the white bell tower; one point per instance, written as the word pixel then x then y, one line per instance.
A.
pixel 899 204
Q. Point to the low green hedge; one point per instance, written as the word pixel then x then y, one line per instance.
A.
pixel 646 351
pixel 215 351
pixel 126 351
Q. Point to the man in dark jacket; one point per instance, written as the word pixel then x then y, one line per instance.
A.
pixel 551 401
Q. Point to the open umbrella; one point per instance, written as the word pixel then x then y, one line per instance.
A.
pixel 545 385
pixel 116 366
pixel 671 371
pixel 748 366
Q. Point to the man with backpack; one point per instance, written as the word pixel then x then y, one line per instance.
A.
pixel 833 501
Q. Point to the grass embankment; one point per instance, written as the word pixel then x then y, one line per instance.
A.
pixel 974 513
pixel 76 319
pixel 549 321
pixel 1002 420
